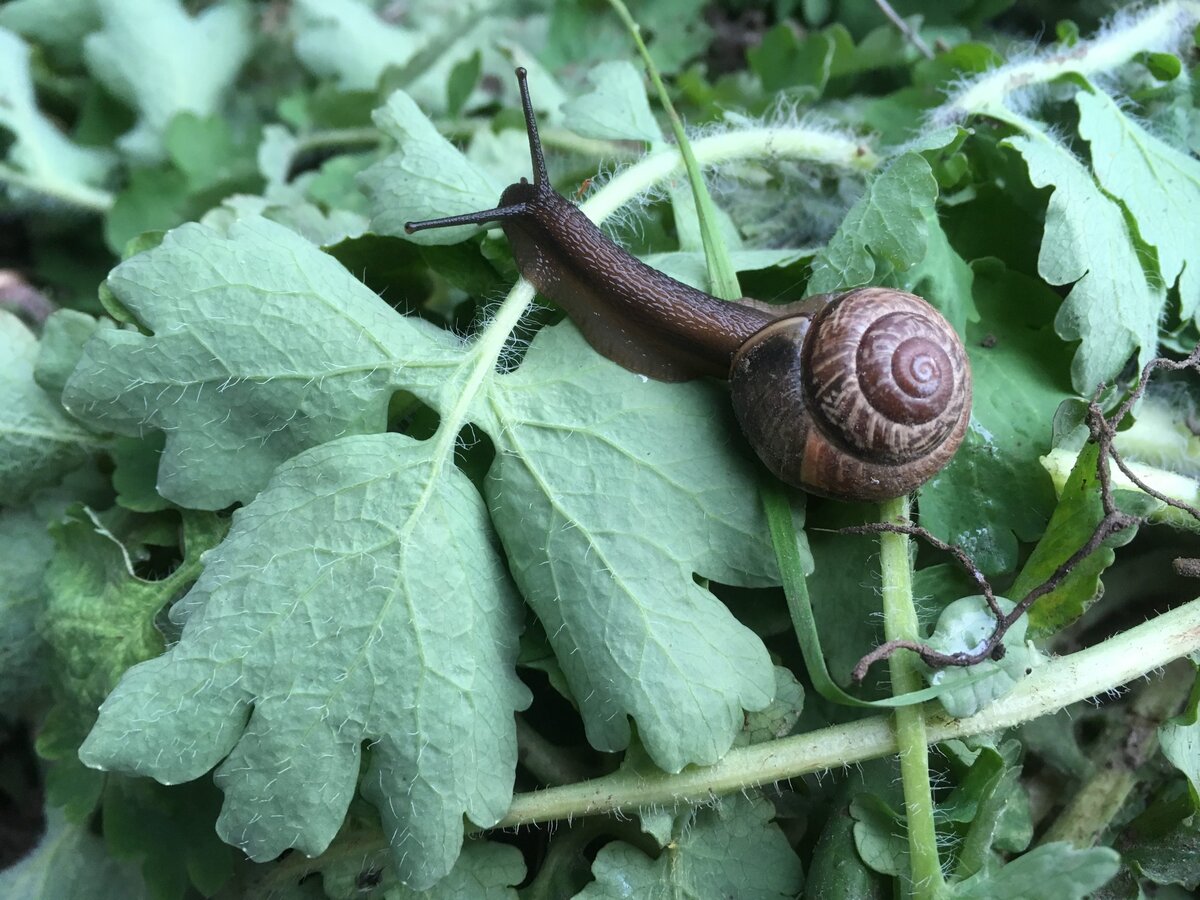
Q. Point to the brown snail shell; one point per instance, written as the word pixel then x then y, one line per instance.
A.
pixel 865 397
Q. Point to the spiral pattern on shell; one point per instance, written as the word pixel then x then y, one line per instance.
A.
pixel 866 400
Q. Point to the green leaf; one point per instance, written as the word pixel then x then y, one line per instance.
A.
pixel 135 472
pixel 152 200
pixel 782 61
pixel 424 178
pixel 962 628
pixel 880 835
pixel 170 829
pixel 885 230
pixel 49 163
pixel 60 24
pixel 203 148
pixel 61 346
pixel 609 491
pixel 1163 66
pixel 1180 741
pixel 1111 307
pixel 943 277
pixel 100 615
pixel 1078 512
pixel 988 807
pixel 261 347
pixel 349 41
pixel 485 871
pixel 70 862
pixel 844 585
pixel 462 81
pixel 38 443
pixel 1159 185
pixel 312 632
pixel 1051 870
pixel 582 34
pixel 130 56
pixel 616 108
pixel 837 872
pixel 25 550
pixel 733 849
pixel 1020 377
pixel 780 718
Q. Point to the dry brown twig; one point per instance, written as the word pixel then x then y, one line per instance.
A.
pixel 1103 430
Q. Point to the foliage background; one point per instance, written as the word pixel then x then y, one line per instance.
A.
pixel 313 509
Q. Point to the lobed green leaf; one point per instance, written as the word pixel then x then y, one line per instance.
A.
pixel 357 603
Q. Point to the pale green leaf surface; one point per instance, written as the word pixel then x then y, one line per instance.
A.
pixel 70 861
pixel 1181 745
pixel 1180 741
pixel 25 551
pixel 426 177
pixel 63 337
pixel 318 227
pixel 880 835
pixel 162 61
pixel 733 849
pixel 262 346
pixel 778 719
pixel 54 164
pixel 887 225
pixel 357 600
pixel 1051 870
pixel 1159 185
pixel 348 41
pixel 38 443
pixel 609 491
pixel 485 871
pixel 1086 243
pixel 962 627
pixel 61 24
pixel 616 108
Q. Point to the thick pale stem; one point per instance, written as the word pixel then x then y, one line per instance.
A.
pixel 900 624
pixel 1059 683
pixel 1161 27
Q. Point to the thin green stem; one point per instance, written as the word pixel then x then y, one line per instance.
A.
pixel 900 624
pixel 721 273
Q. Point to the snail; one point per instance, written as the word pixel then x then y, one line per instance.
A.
pixel 863 395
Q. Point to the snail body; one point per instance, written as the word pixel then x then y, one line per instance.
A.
pixel 863 395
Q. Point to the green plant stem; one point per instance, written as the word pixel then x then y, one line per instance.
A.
pixel 900 623
pixel 721 274
pixel 1058 683
pixel 1158 27
pixel 784 142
